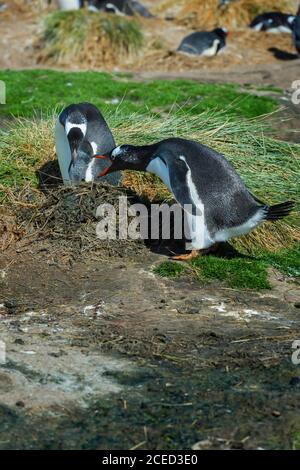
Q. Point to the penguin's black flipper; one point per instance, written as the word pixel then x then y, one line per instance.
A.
pixel 178 170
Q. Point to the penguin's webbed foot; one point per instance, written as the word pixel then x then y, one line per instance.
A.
pixel 193 254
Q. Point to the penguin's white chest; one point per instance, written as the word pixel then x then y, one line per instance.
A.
pixel 211 51
pixel 198 231
pixel 63 151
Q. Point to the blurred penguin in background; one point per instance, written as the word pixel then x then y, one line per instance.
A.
pixel 296 31
pixel 70 4
pixel 119 7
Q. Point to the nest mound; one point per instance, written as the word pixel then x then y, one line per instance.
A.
pixel 66 217
pixel 76 37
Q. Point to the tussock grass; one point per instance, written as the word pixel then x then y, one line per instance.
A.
pixel 81 37
pixel 269 167
pixel 208 14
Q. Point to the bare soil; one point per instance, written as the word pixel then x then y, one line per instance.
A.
pixel 102 353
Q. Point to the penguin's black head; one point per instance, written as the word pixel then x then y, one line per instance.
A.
pixel 221 32
pixel 125 157
pixel 75 137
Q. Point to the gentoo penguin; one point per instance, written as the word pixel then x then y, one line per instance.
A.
pixel 70 4
pixel 273 22
pixel 216 201
pixel 82 128
pixel 223 3
pixel 204 42
pixel 119 7
pixel 296 31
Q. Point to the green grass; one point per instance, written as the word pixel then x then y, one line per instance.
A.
pixel 287 261
pixel 239 273
pixel 296 441
pixel 169 269
pixel 34 92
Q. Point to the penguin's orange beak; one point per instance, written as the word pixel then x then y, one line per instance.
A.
pixel 105 169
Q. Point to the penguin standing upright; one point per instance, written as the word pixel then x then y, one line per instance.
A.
pixel 204 42
pixel 217 203
pixel 81 132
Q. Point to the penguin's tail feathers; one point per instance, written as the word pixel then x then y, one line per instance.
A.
pixel 278 211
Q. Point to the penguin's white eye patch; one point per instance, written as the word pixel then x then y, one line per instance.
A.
pixel 116 151
pixel 70 125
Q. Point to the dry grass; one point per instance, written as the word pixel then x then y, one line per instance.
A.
pixel 270 168
pixel 243 47
pixel 80 37
pixel 26 8
pixel 207 14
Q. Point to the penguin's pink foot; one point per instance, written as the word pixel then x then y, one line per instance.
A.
pixel 193 254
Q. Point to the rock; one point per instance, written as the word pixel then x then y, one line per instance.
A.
pixel 295 381
pixel 20 403
pixel 6 383
pixel 19 341
pixel 202 445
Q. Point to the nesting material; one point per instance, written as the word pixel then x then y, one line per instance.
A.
pixel 208 14
pixel 66 217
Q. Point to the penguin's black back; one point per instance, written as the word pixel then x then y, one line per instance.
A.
pixel 127 7
pixel 272 19
pixel 226 199
pixel 197 43
pixel 296 31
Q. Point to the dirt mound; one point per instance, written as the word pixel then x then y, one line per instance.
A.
pixel 66 218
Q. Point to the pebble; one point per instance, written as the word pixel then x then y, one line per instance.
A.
pixel 295 381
